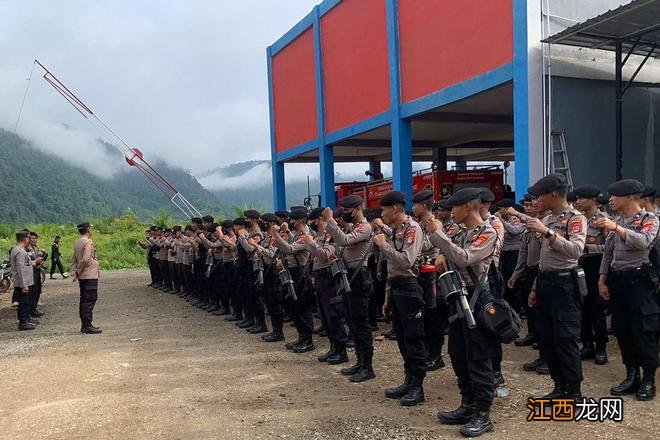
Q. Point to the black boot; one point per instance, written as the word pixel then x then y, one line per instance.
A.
pixel 401 390
pixel 434 363
pixel 573 391
pixel 90 330
pixel 339 356
pixel 587 352
pixel 274 336
pixel 558 391
pixel 415 394
pixel 630 384
pixel 531 366
pixel 646 390
pixel 25 325
pixel 231 318
pixel 304 346
pixel 526 341
pixel 246 323
pixel 459 416
pixel 290 345
pixel 354 368
pixel 331 351
pixel 600 356
pixel 259 327
pixel 366 371
pixel 479 424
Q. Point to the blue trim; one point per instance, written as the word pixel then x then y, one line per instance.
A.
pixel 292 34
pixel 298 149
pixel 401 128
pixel 326 5
pixel 277 169
pixel 520 97
pixel 369 124
pixel 461 90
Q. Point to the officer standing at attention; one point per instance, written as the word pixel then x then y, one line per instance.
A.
pixel 401 250
pixel 85 269
pixel 356 246
pixel 23 278
pixel 594 325
pixel 628 281
pixel 471 350
pixel 555 293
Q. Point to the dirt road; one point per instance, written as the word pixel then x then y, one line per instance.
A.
pixel 195 376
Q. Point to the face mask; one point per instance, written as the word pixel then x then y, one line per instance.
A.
pixel 314 227
pixel 347 217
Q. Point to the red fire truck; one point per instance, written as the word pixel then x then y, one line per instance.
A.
pixel 443 184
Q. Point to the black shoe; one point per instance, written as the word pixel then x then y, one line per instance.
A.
pixel 646 390
pixel 259 328
pixel 303 347
pixel 90 330
pixel 600 358
pixel 362 375
pixel 52 278
pixel 33 321
pixel 246 323
pixel 531 366
pixel 587 352
pixel 219 312
pixel 573 391
pixel 350 343
pixel 317 330
pixel 459 416
pixel 479 424
pixel 322 333
pixel 630 384
pixel 414 396
pixel 401 390
pixel 391 336
pixel 273 337
pixel 543 369
pixel 434 363
pixel 290 345
pixel 26 326
pixel 557 392
pixel 339 356
pixel 526 341
pixel 331 351
pixel 350 370
pixel 37 313
pixel 212 308
pixel 231 318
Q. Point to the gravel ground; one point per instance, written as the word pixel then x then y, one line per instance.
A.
pixel 195 376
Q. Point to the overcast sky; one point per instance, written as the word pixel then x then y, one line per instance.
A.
pixel 185 79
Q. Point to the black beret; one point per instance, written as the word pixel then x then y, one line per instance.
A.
pixel 296 207
pixel 167 230
pixel 486 195
pixel 625 187
pixel 444 205
pixel 176 228
pixel 422 195
pixel 505 203
pixel 213 227
pixel 649 191
pixel 316 213
pixel 571 196
pixel 239 221
pixel 282 214
pixel 603 199
pixel 207 219
pixel 464 195
pixel 587 192
pixel 269 217
pixel 298 214
pixel 548 184
pixel 227 224
pixel 188 228
pixel 518 207
pixel 251 214
pixel 83 226
pixel 393 198
pixel 22 235
pixel 373 214
pixel 528 198
pixel 196 220
pixel 352 201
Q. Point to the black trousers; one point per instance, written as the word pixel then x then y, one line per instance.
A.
pixel 187 278
pixel 88 297
pixel 153 268
pixel 36 290
pixel 525 287
pixel 558 313
pixel 56 263
pixel 508 260
pixel 255 298
pixel 164 270
pixel 408 322
pixel 214 283
pixel 301 310
pixel 594 325
pixel 636 309
pixel 331 306
pixel 231 289
pixel 274 300
pixel 357 313
pixel 436 319
pixel 24 303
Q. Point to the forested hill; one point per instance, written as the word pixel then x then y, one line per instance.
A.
pixel 39 187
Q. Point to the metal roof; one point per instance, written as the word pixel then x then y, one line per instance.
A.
pixel 636 25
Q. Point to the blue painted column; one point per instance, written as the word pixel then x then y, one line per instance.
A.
pixel 520 98
pixel 401 128
pixel 326 157
pixel 277 168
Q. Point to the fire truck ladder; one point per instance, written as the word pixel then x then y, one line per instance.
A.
pixel 560 163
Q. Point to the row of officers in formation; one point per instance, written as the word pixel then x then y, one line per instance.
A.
pixel 464 267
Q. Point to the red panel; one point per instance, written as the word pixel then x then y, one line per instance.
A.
pixel 294 93
pixel 355 68
pixel 443 42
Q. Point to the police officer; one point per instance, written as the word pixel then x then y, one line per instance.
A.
pixel 555 293
pixel 356 245
pixel 241 274
pixel 257 321
pixel 85 269
pixel 401 250
pixel 23 278
pixel 594 325
pixel 628 281
pixel 35 252
pixel 471 350
pixel 513 229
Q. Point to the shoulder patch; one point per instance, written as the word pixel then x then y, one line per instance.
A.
pixel 480 240
pixel 576 226
pixel 648 226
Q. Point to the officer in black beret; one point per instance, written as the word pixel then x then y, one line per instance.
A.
pixel 236 277
pixel 628 281
pixel 378 269
pixel 571 197
pixel 513 231
pixel 355 248
pixel 648 200
pixel 556 291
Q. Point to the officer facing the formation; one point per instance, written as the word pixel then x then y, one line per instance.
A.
pixel 629 282
pixel 471 350
pixel 556 294
pixel 401 250
pixel 355 248
pixel 594 325
pixel 85 269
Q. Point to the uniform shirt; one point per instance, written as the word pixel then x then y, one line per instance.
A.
pixel 633 252
pixel 215 246
pixel 84 263
pixel 513 230
pixel 564 252
pixel 496 223
pixel 296 250
pixel 452 228
pixel 187 250
pixel 474 248
pixel 171 252
pixel 428 250
pixel 529 254
pixel 22 274
pixel 228 248
pixel 595 235
pixel 258 236
pixel 266 249
pixel 34 253
pixel 323 250
pixel 355 244
pixel 179 250
pixel 402 248
pixel 162 249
